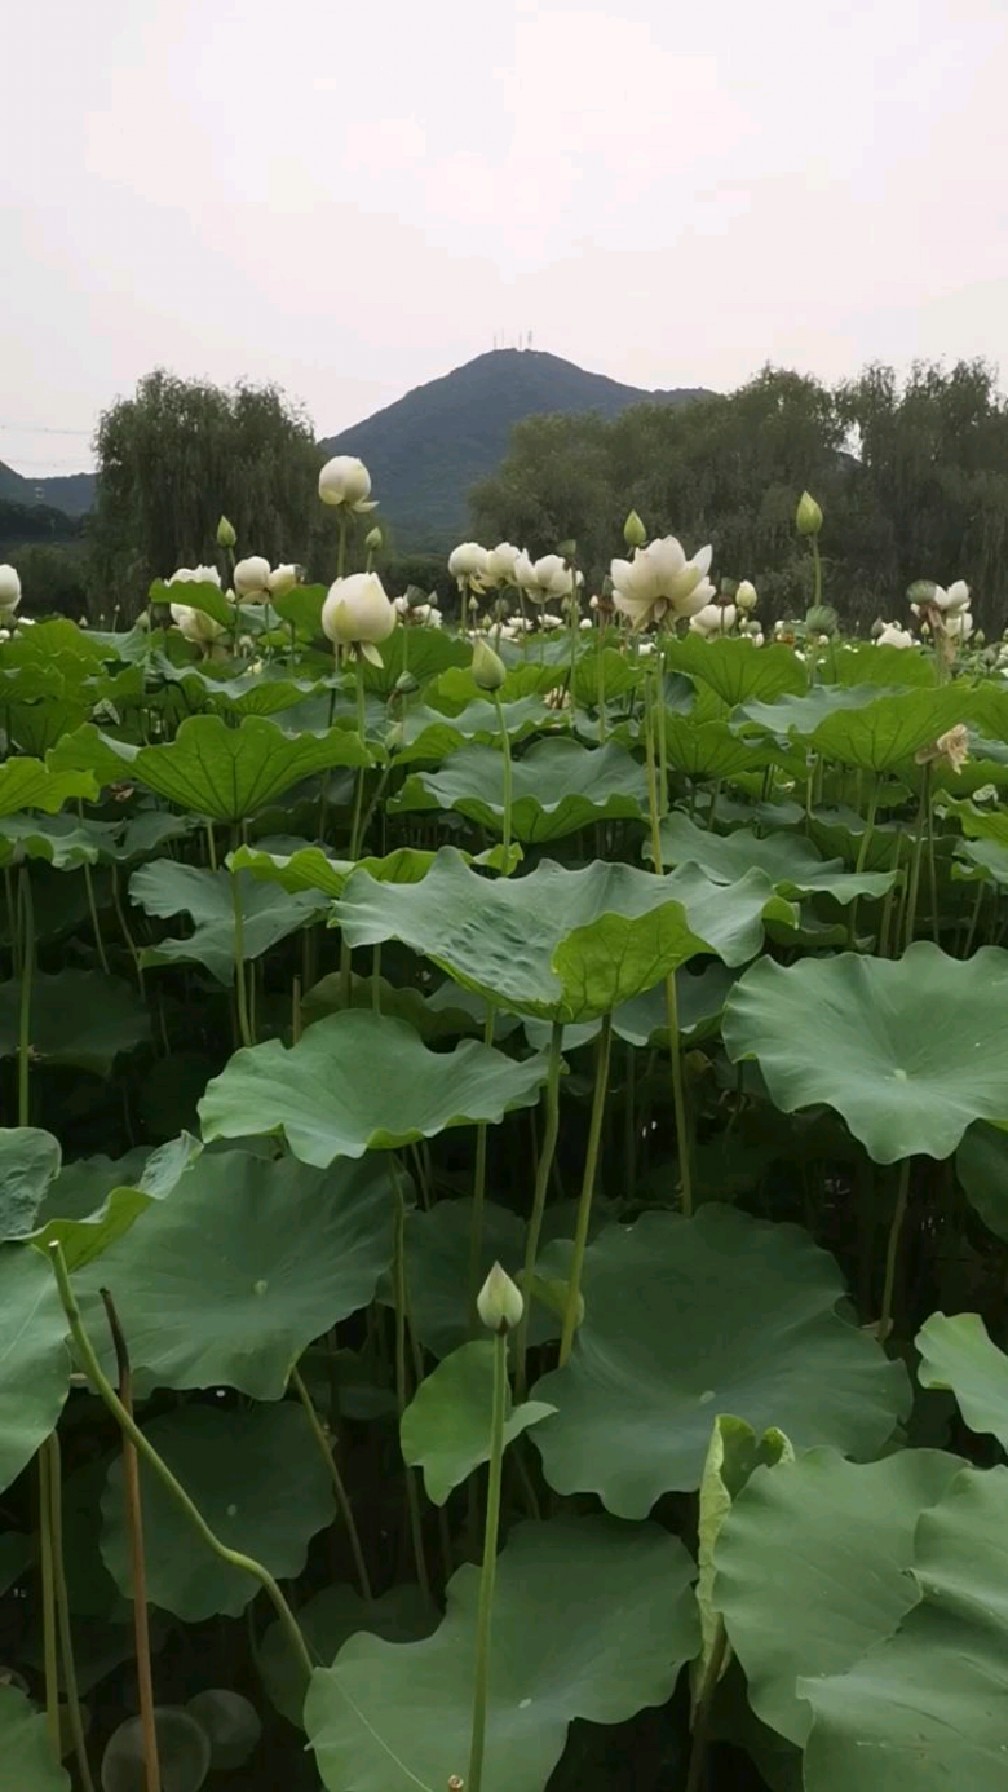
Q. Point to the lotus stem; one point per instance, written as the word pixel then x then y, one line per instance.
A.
pixel 26 935
pixel 138 1562
pixel 570 1318
pixel 895 1230
pixel 702 1714
pixel 662 752
pixel 399 1295
pixel 339 1486
pixel 508 781
pixel 481 1677
pixel 49 1646
pixel 547 1153
pixel 479 1197
pixel 915 864
pixel 241 988
pixel 679 1093
pixel 173 1487
pixel 51 1448
pixel 600 665
pixel 93 909
pixel 124 929
pixel 862 857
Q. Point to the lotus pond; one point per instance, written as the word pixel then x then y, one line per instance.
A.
pixel 671 982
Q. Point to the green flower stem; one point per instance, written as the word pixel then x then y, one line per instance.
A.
pixel 816 573
pixel 481 1676
pixel 704 1705
pixel 241 987
pixel 339 1488
pixel 932 872
pixel 662 750
pixel 49 1646
pixel 26 936
pixel 923 808
pixel 399 1294
pixel 508 779
pixel 671 993
pixel 570 1318
pixel 895 1230
pixel 211 846
pixel 107 1394
pixel 124 929
pixel 93 907
pixel 51 1449
pixel 12 923
pixel 862 858
pixel 543 1168
pixel 600 663
pixel 476 1228
pixel 974 918
pixel 341 550
pixel 138 1560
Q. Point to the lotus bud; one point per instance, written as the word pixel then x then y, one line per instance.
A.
pixel 746 596
pixel 567 549
pixel 808 517
pixel 406 685
pixel 499 1303
pixel 634 532
pixel 373 540
pixel 226 536
pixel 487 667
pixel 979 638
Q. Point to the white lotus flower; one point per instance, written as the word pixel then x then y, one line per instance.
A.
pixel 894 636
pixel 252 579
pixel 281 579
pixel 500 564
pixel 195 625
pixel 346 483
pixel 357 613
pixel 196 575
pixel 548 620
pixel 499 1302
pixel 714 619
pixel 956 597
pixel 10 590
pixel 746 596
pixel 429 614
pixel 468 561
pixel 659 581
pixel 401 605
pixel 958 625
pixel 542 579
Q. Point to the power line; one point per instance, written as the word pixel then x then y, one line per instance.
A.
pixel 43 429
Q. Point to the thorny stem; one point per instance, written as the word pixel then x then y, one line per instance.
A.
pixel 173 1487
pixel 481 1676
pixel 339 1488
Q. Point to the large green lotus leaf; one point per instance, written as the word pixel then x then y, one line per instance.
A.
pixel 82 1187
pixel 618 676
pixel 924 1710
pixel 26 1754
pixel 797 716
pixel 27 784
pixel 977 823
pixel 888 732
pixel 866 663
pixel 591 1620
pixel 793 866
pixel 733 1453
pixel 82 1241
pixel 260 1481
pixel 310 868
pixel 58 639
pixel 35 727
pixel 357 1082
pixel 430 736
pixel 700 999
pixel 709 749
pixel 839 1536
pixel 445 1429
pixel 728 1314
pixel 301 605
pixel 982 1168
pixel 733 668
pixel 330 1618
pixel 29 1162
pixel 65 841
pixel 197 594
pixel 87 751
pixel 264 693
pixel 424 652
pixel 166 888
pixel 230 773
pixel 983 860
pixel 228 1279
pixel 859 1035
pixel 80 1018
pixel 432 1020
pixel 437 1266
pixel 558 787
pixel 560 944
pixel 34 1359
pixel 957 1353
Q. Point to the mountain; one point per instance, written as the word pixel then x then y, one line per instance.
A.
pixel 426 450
pixel 73 493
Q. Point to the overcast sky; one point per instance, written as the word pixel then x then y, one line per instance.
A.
pixel 350 200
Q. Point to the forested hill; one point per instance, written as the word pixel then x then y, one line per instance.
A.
pixel 73 493
pixel 429 448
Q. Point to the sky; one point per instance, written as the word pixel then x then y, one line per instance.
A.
pixel 348 201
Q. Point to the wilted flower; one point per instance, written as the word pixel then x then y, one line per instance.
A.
pixel 346 483
pixel 252 579
pixel 226 537
pixel 468 561
pixel 634 532
pixel 952 746
pixel 487 667
pixel 281 579
pixel 808 516
pixel 544 578
pixel 499 1302
pixel 557 698
pixel 746 595
pixel 357 613
pixel 891 635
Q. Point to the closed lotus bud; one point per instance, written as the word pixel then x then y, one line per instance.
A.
pixel 10 588
pixel 634 532
pixel 746 597
pixel 251 578
pixel 487 667
pixel 979 638
pixel 499 1302
pixel 345 483
pixel 406 685
pixel 226 536
pixel 808 517
pixel 358 613
pixel 281 579
pixel 373 540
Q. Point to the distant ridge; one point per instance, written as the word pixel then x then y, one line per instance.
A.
pixel 73 493
pixel 431 446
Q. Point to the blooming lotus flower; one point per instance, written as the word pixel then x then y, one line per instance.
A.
pixel 468 561
pixel 958 625
pixel 358 614
pixel 894 636
pixel 429 614
pixel 401 605
pixel 345 483
pixel 951 600
pixel 252 579
pixel 659 581
pixel 281 579
pixel 500 565
pixel 746 596
pixel 10 591
pixel 542 579
pixel 195 625
pixel 196 575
